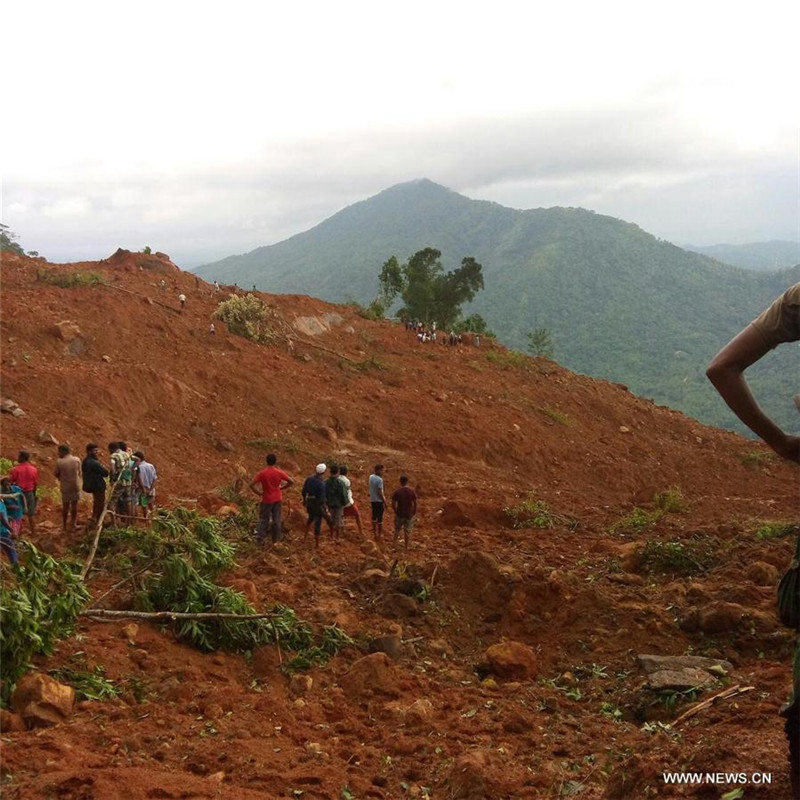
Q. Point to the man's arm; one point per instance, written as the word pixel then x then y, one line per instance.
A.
pixel 255 487
pixel 726 372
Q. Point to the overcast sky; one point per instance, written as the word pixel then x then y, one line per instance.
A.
pixel 207 130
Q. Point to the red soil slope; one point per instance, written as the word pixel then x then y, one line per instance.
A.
pixel 471 426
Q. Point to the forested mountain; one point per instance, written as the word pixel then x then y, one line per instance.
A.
pixel 619 303
pixel 774 255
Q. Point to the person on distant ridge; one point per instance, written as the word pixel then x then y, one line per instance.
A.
pixel 94 481
pixel 68 472
pixel 351 507
pixel 272 480
pixel 404 505
pixel 377 499
pixel 335 499
pixel 314 500
pixel 182 300
pixel 779 324
pixel 26 476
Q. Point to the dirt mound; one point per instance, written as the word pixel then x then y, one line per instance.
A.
pixel 477 433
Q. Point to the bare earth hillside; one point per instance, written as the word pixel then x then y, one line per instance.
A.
pixel 477 430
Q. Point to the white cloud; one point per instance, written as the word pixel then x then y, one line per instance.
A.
pixel 210 132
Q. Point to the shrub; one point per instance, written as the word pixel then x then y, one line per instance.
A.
pixel 755 458
pixel 38 606
pixel 247 317
pixel 675 558
pixel 671 501
pixel 508 359
pixel 775 529
pixel 533 513
pixel 69 279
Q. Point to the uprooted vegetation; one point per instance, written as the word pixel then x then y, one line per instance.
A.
pixel 247 316
pixel 775 529
pixel 688 557
pixel 171 564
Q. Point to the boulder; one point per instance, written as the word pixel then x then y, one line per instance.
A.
pixel 653 663
pixel 300 684
pixel 452 515
pixel 229 510
pixel 372 579
pixel 687 678
pixel 720 617
pixel 372 674
pixel 211 501
pixel 471 778
pixel 419 711
pixel 390 644
pixel 7 406
pixel 245 587
pixel 10 722
pixel 45 437
pixel 66 330
pixel 129 631
pixel 42 701
pixel 511 661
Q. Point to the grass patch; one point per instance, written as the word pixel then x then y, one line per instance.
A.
pixel 753 459
pixel 247 316
pixel 276 443
pixel 639 519
pixel 369 364
pixel 555 415
pixel 775 529
pixel 69 279
pixel 675 558
pixel 533 513
pixel 671 501
pixel 508 359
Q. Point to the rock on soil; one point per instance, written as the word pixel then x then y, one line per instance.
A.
pixel 452 515
pixel 66 330
pixel 10 722
pixel 390 644
pixel 511 661
pixel 10 407
pixel 472 778
pixel 683 672
pixel 42 701
pixel 211 502
pixel 371 674
pixel 45 437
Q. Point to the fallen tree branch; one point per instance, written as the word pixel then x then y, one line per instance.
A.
pixel 725 694
pixel 93 550
pixel 169 616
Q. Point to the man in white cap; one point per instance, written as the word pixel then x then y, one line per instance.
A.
pixel 314 500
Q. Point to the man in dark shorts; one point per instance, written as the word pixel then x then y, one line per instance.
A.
pixel 404 505
pixel 314 501
pixel 336 500
pixel 68 472
pixel 94 481
pixel 377 499
pixel 272 481
pixel 26 476
pixel 779 324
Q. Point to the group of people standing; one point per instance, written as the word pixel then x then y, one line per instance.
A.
pixel 131 477
pixel 428 333
pixel 330 499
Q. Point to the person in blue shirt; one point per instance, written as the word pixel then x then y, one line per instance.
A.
pixel 314 500
pixel 6 542
pixel 14 499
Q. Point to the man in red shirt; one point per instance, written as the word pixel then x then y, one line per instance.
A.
pixel 270 483
pixel 404 503
pixel 26 476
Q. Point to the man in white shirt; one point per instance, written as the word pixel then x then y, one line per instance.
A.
pixel 350 508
